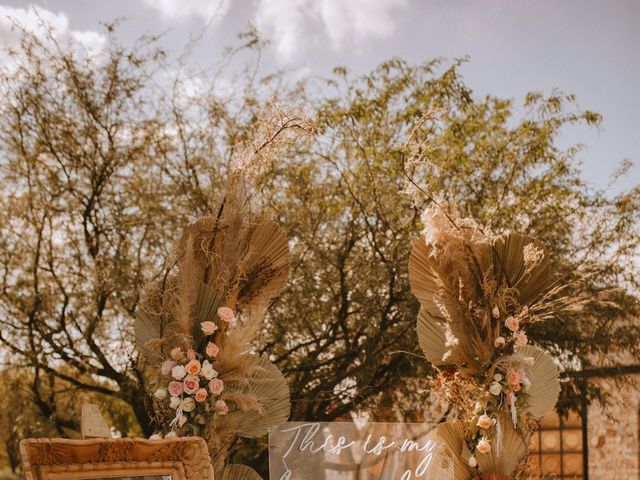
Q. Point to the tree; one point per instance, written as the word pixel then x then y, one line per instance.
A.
pixel 104 161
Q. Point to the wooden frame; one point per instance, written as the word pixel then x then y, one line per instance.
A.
pixel 61 459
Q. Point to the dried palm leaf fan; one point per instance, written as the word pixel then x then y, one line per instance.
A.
pixel 477 293
pixel 198 324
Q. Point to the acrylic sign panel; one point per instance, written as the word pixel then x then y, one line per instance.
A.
pixel 350 451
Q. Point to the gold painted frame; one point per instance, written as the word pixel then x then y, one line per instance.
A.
pixel 61 459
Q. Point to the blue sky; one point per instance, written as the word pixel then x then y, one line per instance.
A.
pixel 587 47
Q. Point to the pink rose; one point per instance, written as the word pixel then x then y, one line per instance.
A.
pixel 513 378
pixel 495 311
pixel 521 339
pixel 216 386
pixel 221 407
pixel 208 328
pixel 167 366
pixel 175 388
pixel 521 375
pixel 176 353
pixel 212 349
pixel 201 395
pixel 512 323
pixel 193 367
pixel 191 384
pixel 226 314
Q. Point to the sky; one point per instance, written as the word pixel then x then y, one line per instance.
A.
pixel 587 47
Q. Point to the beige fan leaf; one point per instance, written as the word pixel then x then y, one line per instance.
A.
pixel 507 449
pixel 509 260
pixel 146 329
pixel 431 337
pixel 424 279
pixel 269 388
pixel 451 459
pixel 543 375
pixel 239 472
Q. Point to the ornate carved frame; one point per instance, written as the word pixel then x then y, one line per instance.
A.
pixel 61 459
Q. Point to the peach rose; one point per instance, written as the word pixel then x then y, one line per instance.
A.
pixel 191 384
pixel 176 353
pixel 212 349
pixel 225 314
pixel 191 354
pixel 208 328
pixel 201 395
pixel 512 323
pixel 516 387
pixel 513 378
pixel 216 386
pixel 193 367
pixel 221 407
pixel 483 446
pixel 175 389
pixel 499 342
pixel 485 422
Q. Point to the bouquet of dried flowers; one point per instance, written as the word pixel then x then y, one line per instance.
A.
pixel 478 293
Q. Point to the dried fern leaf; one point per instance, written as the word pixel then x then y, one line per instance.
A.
pixel 545 386
pixel 505 454
pixel 266 386
pixel 239 472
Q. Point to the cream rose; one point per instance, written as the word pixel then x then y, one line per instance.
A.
pixel 191 384
pixel 175 389
pixel 529 361
pixel 176 353
pixel 485 421
pixel 221 407
pixel 208 328
pixel 175 402
pixel 225 314
pixel 495 388
pixel 161 393
pixel 178 372
pixel 499 342
pixel 216 386
pixel 521 339
pixel 498 377
pixel 208 371
pixel 193 367
pixel 171 435
pixel 495 311
pixel 473 463
pixel 483 446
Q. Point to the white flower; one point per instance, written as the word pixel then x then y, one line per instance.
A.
pixel 484 422
pixel 498 377
pixel 171 435
pixel 473 463
pixel 529 361
pixel 526 383
pixel 495 388
pixel 155 436
pixel 175 402
pixel 483 446
pixel 208 371
pixel 161 393
pixel 495 311
pixel 499 342
pixel 178 372
pixel 188 404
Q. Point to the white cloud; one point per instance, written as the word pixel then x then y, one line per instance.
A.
pixel 209 10
pixel 36 20
pixel 294 23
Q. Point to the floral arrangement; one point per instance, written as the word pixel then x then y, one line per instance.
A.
pixel 194 386
pixel 478 293
pixel 196 331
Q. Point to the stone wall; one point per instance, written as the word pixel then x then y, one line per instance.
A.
pixel 614 448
